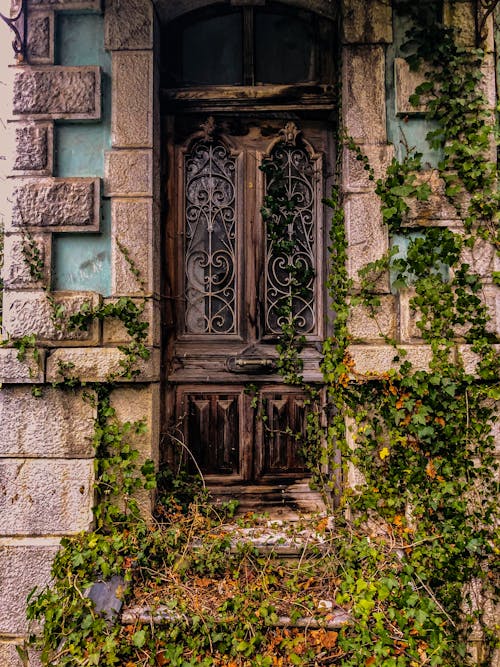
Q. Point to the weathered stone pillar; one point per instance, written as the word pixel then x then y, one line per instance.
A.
pixel 132 180
pixel 367 29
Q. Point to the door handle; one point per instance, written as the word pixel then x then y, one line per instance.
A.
pixel 250 365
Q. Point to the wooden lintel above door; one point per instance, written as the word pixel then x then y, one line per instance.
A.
pixel 251 98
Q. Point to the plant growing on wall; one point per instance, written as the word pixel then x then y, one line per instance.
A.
pixel 411 558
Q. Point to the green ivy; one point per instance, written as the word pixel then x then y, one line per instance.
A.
pixel 407 543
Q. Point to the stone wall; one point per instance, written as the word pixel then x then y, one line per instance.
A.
pixel 46 455
pixel 46 451
pixel 367 28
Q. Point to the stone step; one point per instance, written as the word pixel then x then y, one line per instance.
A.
pixel 281 538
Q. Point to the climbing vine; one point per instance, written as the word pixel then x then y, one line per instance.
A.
pixel 421 439
pixel 409 561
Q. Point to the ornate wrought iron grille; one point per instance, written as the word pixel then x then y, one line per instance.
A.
pixel 211 239
pixel 294 171
pixel 18 25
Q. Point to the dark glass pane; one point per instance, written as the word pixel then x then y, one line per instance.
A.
pixel 284 49
pixel 211 239
pixel 212 51
pixel 293 173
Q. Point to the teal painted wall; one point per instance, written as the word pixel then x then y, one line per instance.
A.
pixel 83 261
pixel 411 130
pixel 402 243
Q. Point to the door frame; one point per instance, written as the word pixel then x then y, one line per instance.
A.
pixel 254 238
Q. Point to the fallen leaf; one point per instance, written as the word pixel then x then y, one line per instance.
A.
pixel 430 470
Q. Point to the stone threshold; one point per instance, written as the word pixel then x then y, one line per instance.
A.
pixel 271 538
pixel 280 538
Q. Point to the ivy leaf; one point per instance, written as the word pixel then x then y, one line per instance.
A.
pixel 424 87
pixel 402 190
pixel 389 212
pixel 139 638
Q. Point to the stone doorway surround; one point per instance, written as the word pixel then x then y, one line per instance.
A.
pixel 46 454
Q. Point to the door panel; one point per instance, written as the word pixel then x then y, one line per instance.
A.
pixel 283 433
pixel 213 427
pixel 227 284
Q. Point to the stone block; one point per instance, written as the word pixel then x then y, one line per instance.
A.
pixel 128 173
pixel 40 38
pixel 26 313
pixel 59 424
pixel 24 564
pixel 354 478
pixel 355 176
pixel 13 371
pixel 367 325
pixel 19 251
pixel 408 318
pixel 371 361
pixel 9 657
pixel 132 99
pixel 363 94
pixel 488 82
pixel 99 365
pixel 128 25
pixel 131 249
pixel 67 5
pixel 461 16
pixel 45 497
pixel 366 21
pixel 72 93
pixel 351 430
pixel 367 236
pixel 437 209
pixel 471 360
pixel 56 204
pixel 34 146
pixel 114 332
pixel 136 403
pixel 491 296
pixel 406 82
pixel 157 251
pixel 482 259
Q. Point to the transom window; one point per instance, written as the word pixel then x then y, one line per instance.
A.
pixel 249 46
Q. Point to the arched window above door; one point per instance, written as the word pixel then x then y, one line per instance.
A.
pixel 269 47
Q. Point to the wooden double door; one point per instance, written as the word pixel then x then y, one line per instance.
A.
pixel 227 285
